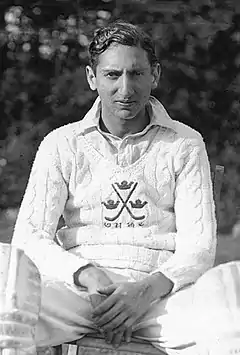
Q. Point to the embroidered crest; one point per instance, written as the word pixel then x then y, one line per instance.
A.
pixel 124 201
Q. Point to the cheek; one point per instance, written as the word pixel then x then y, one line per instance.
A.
pixel 144 90
pixel 105 90
pixel 144 85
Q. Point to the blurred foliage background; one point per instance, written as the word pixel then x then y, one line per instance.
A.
pixel 43 46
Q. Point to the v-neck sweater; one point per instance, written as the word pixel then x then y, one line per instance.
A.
pixel 136 206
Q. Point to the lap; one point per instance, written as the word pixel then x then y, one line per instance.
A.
pixel 171 322
pixel 68 308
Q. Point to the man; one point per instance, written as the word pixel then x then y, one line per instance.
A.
pixel 135 191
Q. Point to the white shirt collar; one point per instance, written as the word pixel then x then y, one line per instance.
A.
pixel 157 112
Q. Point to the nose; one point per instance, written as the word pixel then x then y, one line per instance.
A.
pixel 125 86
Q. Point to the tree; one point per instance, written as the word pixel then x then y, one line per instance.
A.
pixel 43 85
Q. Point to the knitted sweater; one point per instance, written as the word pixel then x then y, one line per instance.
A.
pixel 136 205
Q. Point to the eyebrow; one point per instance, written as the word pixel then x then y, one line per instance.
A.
pixel 116 70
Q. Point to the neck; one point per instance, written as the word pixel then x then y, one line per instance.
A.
pixel 122 128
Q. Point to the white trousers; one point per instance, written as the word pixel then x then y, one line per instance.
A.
pixel 203 318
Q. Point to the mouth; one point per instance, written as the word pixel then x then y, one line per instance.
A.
pixel 125 102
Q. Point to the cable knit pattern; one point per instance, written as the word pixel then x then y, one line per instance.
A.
pixel 141 204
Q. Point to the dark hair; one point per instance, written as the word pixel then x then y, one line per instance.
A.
pixel 120 32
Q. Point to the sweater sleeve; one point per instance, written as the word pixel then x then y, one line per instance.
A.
pixel 43 204
pixel 195 239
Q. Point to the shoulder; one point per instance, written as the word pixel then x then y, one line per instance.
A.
pixel 189 147
pixel 69 131
pixel 187 139
pixel 185 132
pixel 184 143
pixel 64 137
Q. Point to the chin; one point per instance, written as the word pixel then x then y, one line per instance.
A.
pixel 126 115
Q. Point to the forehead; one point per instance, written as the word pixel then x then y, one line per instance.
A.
pixel 119 56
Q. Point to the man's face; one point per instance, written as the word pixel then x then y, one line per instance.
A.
pixel 124 79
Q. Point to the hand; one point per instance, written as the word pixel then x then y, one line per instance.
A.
pixel 125 303
pixel 111 338
pixel 116 338
pixel 96 299
pixel 93 278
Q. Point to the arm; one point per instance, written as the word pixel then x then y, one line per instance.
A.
pixel 41 208
pixel 195 216
pixel 195 241
pixel 192 247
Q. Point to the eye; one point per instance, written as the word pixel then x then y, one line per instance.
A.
pixel 137 73
pixel 112 75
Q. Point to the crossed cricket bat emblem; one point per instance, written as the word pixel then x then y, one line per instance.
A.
pixel 111 205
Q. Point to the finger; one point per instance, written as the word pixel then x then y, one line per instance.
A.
pixel 128 323
pixel 128 335
pixel 115 322
pixel 105 306
pixel 109 315
pixel 96 299
pixel 108 337
pixel 117 339
pixel 108 290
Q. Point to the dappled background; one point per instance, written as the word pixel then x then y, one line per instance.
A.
pixel 43 86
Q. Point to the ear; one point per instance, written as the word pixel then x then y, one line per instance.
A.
pixel 156 73
pixel 91 78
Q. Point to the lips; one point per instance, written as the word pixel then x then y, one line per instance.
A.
pixel 125 102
